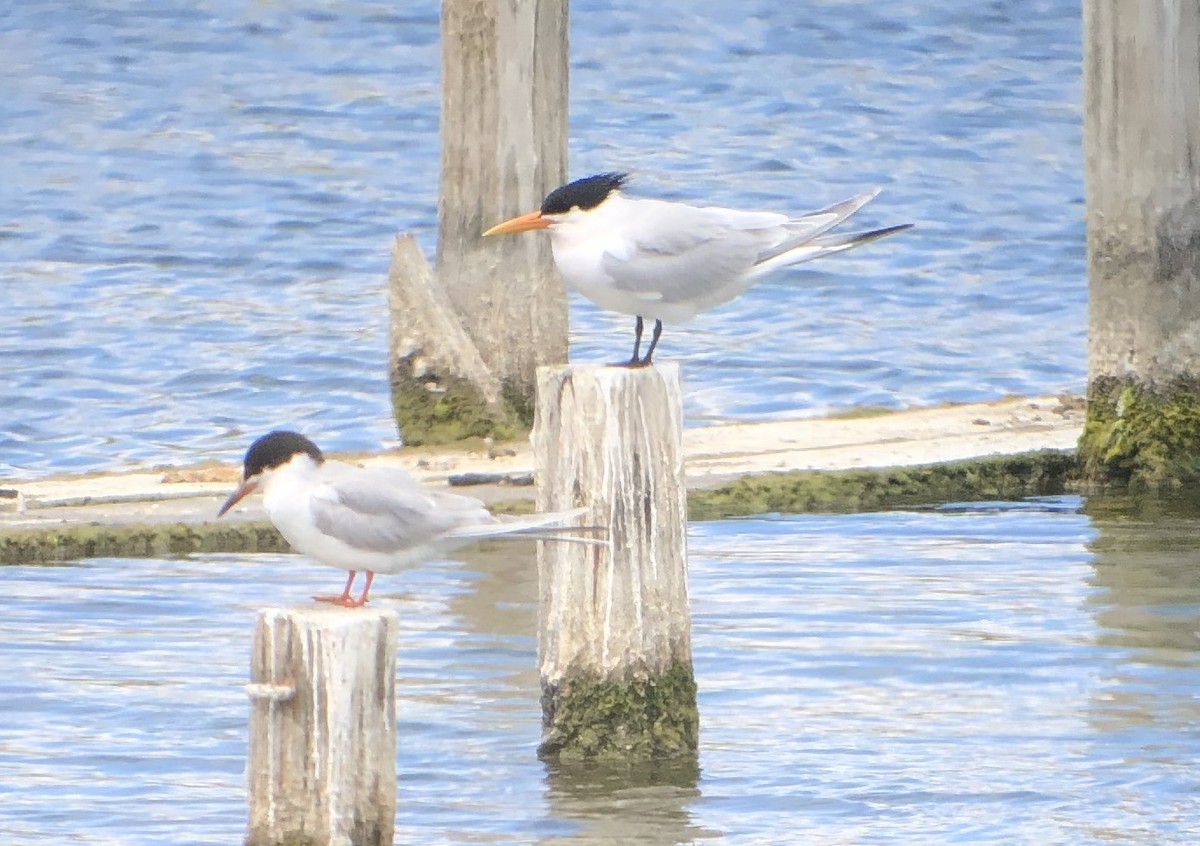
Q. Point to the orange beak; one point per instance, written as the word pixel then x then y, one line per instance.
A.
pixel 247 487
pixel 523 223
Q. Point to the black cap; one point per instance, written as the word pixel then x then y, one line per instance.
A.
pixel 586 193
pixel 275 449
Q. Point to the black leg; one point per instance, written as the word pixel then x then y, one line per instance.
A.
pixel 637 342
pixel 645 362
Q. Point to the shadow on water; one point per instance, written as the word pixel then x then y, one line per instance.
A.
pixel 645 803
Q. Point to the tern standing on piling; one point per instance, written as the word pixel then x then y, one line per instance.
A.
pixel 374 519
pixel 670 261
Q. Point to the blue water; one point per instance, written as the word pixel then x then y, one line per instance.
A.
pixel 197 201
pixel 995 676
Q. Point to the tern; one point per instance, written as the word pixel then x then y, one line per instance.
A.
pixel 669 261
pixel 376 519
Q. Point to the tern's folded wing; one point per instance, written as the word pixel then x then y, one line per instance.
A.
pixel 381 518
pixel 681 254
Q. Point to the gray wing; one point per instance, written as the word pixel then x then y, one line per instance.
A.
pixel 385 510
pixel 804 230
pixel 680 253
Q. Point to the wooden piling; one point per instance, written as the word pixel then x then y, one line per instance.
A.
pixel 1142 167
pixel 504 146
pixel 614 631
pixel 322 758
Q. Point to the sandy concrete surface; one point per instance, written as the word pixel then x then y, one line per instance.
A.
pixel 715 454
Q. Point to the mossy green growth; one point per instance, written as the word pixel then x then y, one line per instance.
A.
pixel 270 838
pixel 520 398
pixel 453 414
pixel 74 543
pixel 1141 435
pixel 860 412
pixel 1041 473
pixel 363 833
pixel 585 718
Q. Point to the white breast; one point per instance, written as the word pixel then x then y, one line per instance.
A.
pixel 287 498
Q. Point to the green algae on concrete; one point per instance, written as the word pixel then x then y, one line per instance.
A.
pixel 1041 473
pixel 77 542
pixel 1141 436
pixel 449 415
pixel 586 718
pixel 860 412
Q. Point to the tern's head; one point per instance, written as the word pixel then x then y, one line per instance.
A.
pixel 268 453
pixel 561 204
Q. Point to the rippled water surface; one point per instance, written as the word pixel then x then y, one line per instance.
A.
pixel 198 198
pixel 998 676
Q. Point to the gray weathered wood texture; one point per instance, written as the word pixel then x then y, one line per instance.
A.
pixel 1142 167
pixel 322 760
pixel 610 439
pixel 504 145
pixel 442 389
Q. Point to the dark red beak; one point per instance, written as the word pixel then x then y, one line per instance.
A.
pixel 247 487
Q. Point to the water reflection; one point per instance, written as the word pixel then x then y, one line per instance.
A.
pixel 1147 560
pixel 1150 570
pixel 646 803
pixel 501 607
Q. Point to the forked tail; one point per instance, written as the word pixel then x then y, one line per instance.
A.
pixel 827 245
pixel 544 526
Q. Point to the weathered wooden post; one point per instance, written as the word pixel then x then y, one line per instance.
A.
pixel 614 631
pixel 465 343
pixel 322 762
pixel 1142 163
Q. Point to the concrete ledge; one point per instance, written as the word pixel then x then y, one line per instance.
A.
pixel 73 542
pixel 1001 450
pixel 1008 477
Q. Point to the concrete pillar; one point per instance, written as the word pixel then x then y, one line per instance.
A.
pixel 1142 164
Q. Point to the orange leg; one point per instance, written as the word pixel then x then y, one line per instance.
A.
pixel 345 595
pixel 362 600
